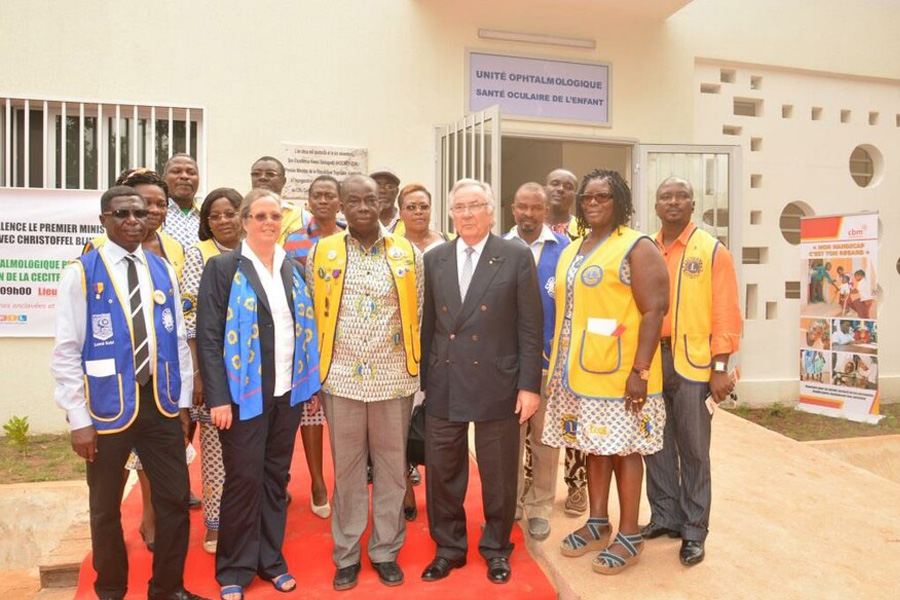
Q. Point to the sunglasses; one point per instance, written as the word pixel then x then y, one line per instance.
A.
pixel 123 213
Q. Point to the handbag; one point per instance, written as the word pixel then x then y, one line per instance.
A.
pixel 415 445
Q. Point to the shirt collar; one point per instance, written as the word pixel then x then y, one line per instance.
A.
pixel 378 240
pixel 115 252
pixel 173 206
pixel 546 235
pixel 277 259
pixel 479 247
pixel 681 239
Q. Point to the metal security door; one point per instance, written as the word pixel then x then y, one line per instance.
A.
pixel 468 148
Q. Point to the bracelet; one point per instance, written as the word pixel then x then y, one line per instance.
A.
pixel 641 366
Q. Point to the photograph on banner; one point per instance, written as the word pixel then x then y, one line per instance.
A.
pixel 853 335
pixel 815 333
pixel 855 370
pixel 815 365
pixel 838 286
pixel 838 345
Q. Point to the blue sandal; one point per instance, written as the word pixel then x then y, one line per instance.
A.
pixel 231 589
pixel 608 563
pixel 575 544
pixel 280 581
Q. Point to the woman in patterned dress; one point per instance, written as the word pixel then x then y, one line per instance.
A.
pixel 605 388
pixel 220 231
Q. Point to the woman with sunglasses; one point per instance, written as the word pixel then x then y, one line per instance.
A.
pixel 220 231
pixel 605 386
pixel 415 211
pixel 258 353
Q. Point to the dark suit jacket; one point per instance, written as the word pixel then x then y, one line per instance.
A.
pixel 212 308
pixel 478 354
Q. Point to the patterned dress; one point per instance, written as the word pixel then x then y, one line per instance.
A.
pixel 604 427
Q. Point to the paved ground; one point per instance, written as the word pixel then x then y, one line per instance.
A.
pixel 788 521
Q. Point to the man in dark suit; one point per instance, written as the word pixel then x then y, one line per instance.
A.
pixel 481 349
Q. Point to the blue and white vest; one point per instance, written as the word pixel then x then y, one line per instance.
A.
pixel 108 356
pixel 546 271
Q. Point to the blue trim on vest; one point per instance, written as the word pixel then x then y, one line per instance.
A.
pixel 112 399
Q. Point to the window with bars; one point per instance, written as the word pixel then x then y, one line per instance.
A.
pixel 62 144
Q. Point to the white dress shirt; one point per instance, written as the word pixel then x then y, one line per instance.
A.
pixel 537 246
pixel 282 315
pixel 71 316
pixel 461 255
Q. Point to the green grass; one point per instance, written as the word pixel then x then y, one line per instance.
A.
pixel 805 427
pixel 49 458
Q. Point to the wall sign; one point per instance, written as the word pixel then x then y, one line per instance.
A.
pixel 539 88
pixel 303 163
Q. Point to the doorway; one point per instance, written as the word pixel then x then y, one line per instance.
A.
pixel 525 159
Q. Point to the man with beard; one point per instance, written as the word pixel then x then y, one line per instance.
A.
pixel 536 500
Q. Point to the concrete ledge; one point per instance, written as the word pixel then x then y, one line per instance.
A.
pixel 877 454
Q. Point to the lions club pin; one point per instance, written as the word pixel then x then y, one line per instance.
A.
pixel 332 255
pixel 159 296
pixel 396 253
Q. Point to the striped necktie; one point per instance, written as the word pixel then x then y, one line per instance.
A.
pixel 138 325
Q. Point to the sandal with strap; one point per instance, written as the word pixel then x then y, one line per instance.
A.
pixel 609 563
pixel 281 583
pixel 227 590
pixel 576 545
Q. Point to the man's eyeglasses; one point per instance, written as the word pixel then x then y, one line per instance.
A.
pixel 601 198
pixel 461 209
pixel 123 213
pixel 213 218
pixel 263 217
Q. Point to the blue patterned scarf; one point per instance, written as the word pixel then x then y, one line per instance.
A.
pixel 242 353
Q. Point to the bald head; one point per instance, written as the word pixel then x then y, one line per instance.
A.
pixel 676 180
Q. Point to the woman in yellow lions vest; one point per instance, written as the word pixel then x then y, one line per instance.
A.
pixel 220 231
pixel 605 386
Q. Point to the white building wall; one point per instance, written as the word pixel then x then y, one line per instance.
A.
pixel 382 74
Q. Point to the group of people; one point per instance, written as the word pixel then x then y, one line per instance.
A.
pixel 850 292
pixel 255 318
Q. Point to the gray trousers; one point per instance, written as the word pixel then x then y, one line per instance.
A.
pixel 678 478
pixel 538 502
pixel 358 430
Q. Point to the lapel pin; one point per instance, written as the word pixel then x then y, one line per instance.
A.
pixel 159 296
pixel 98 289
pixel 332 255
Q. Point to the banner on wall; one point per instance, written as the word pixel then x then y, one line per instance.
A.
pixel 838 317
pixel 303 163
pixel 41 231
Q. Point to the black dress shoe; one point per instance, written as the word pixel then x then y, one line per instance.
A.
pixel 652 530
pixel 181 594
pixel 498 569
pixel 440 567
pixel 691 552
pixel 389 572
pixel 346 577
pixel 410 513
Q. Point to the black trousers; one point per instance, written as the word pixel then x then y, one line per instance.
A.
pixel 257 456
pixel 447 465
pixel 159 442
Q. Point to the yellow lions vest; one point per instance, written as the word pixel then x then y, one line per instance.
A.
pixel 207 249
pixel 329 269
pixel 692 308
pixel 605 321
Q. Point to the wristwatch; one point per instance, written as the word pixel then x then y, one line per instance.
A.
pixel 642 373
pixel 720 366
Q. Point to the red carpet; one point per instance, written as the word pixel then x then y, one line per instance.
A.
pixel 308 551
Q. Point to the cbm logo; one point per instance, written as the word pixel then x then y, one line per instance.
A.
pixel 852 232
pixel 14 319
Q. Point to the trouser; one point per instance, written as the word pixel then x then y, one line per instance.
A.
pixel 447 465
pixel 159 441
pixel 678 476
pixel 575 474
pixel 538 501
pixel 358 430
pixel 213 474
pixel 257 456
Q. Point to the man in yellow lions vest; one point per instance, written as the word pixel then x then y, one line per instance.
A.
pixel 701 331
pixel 124 377
pixel 367 287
